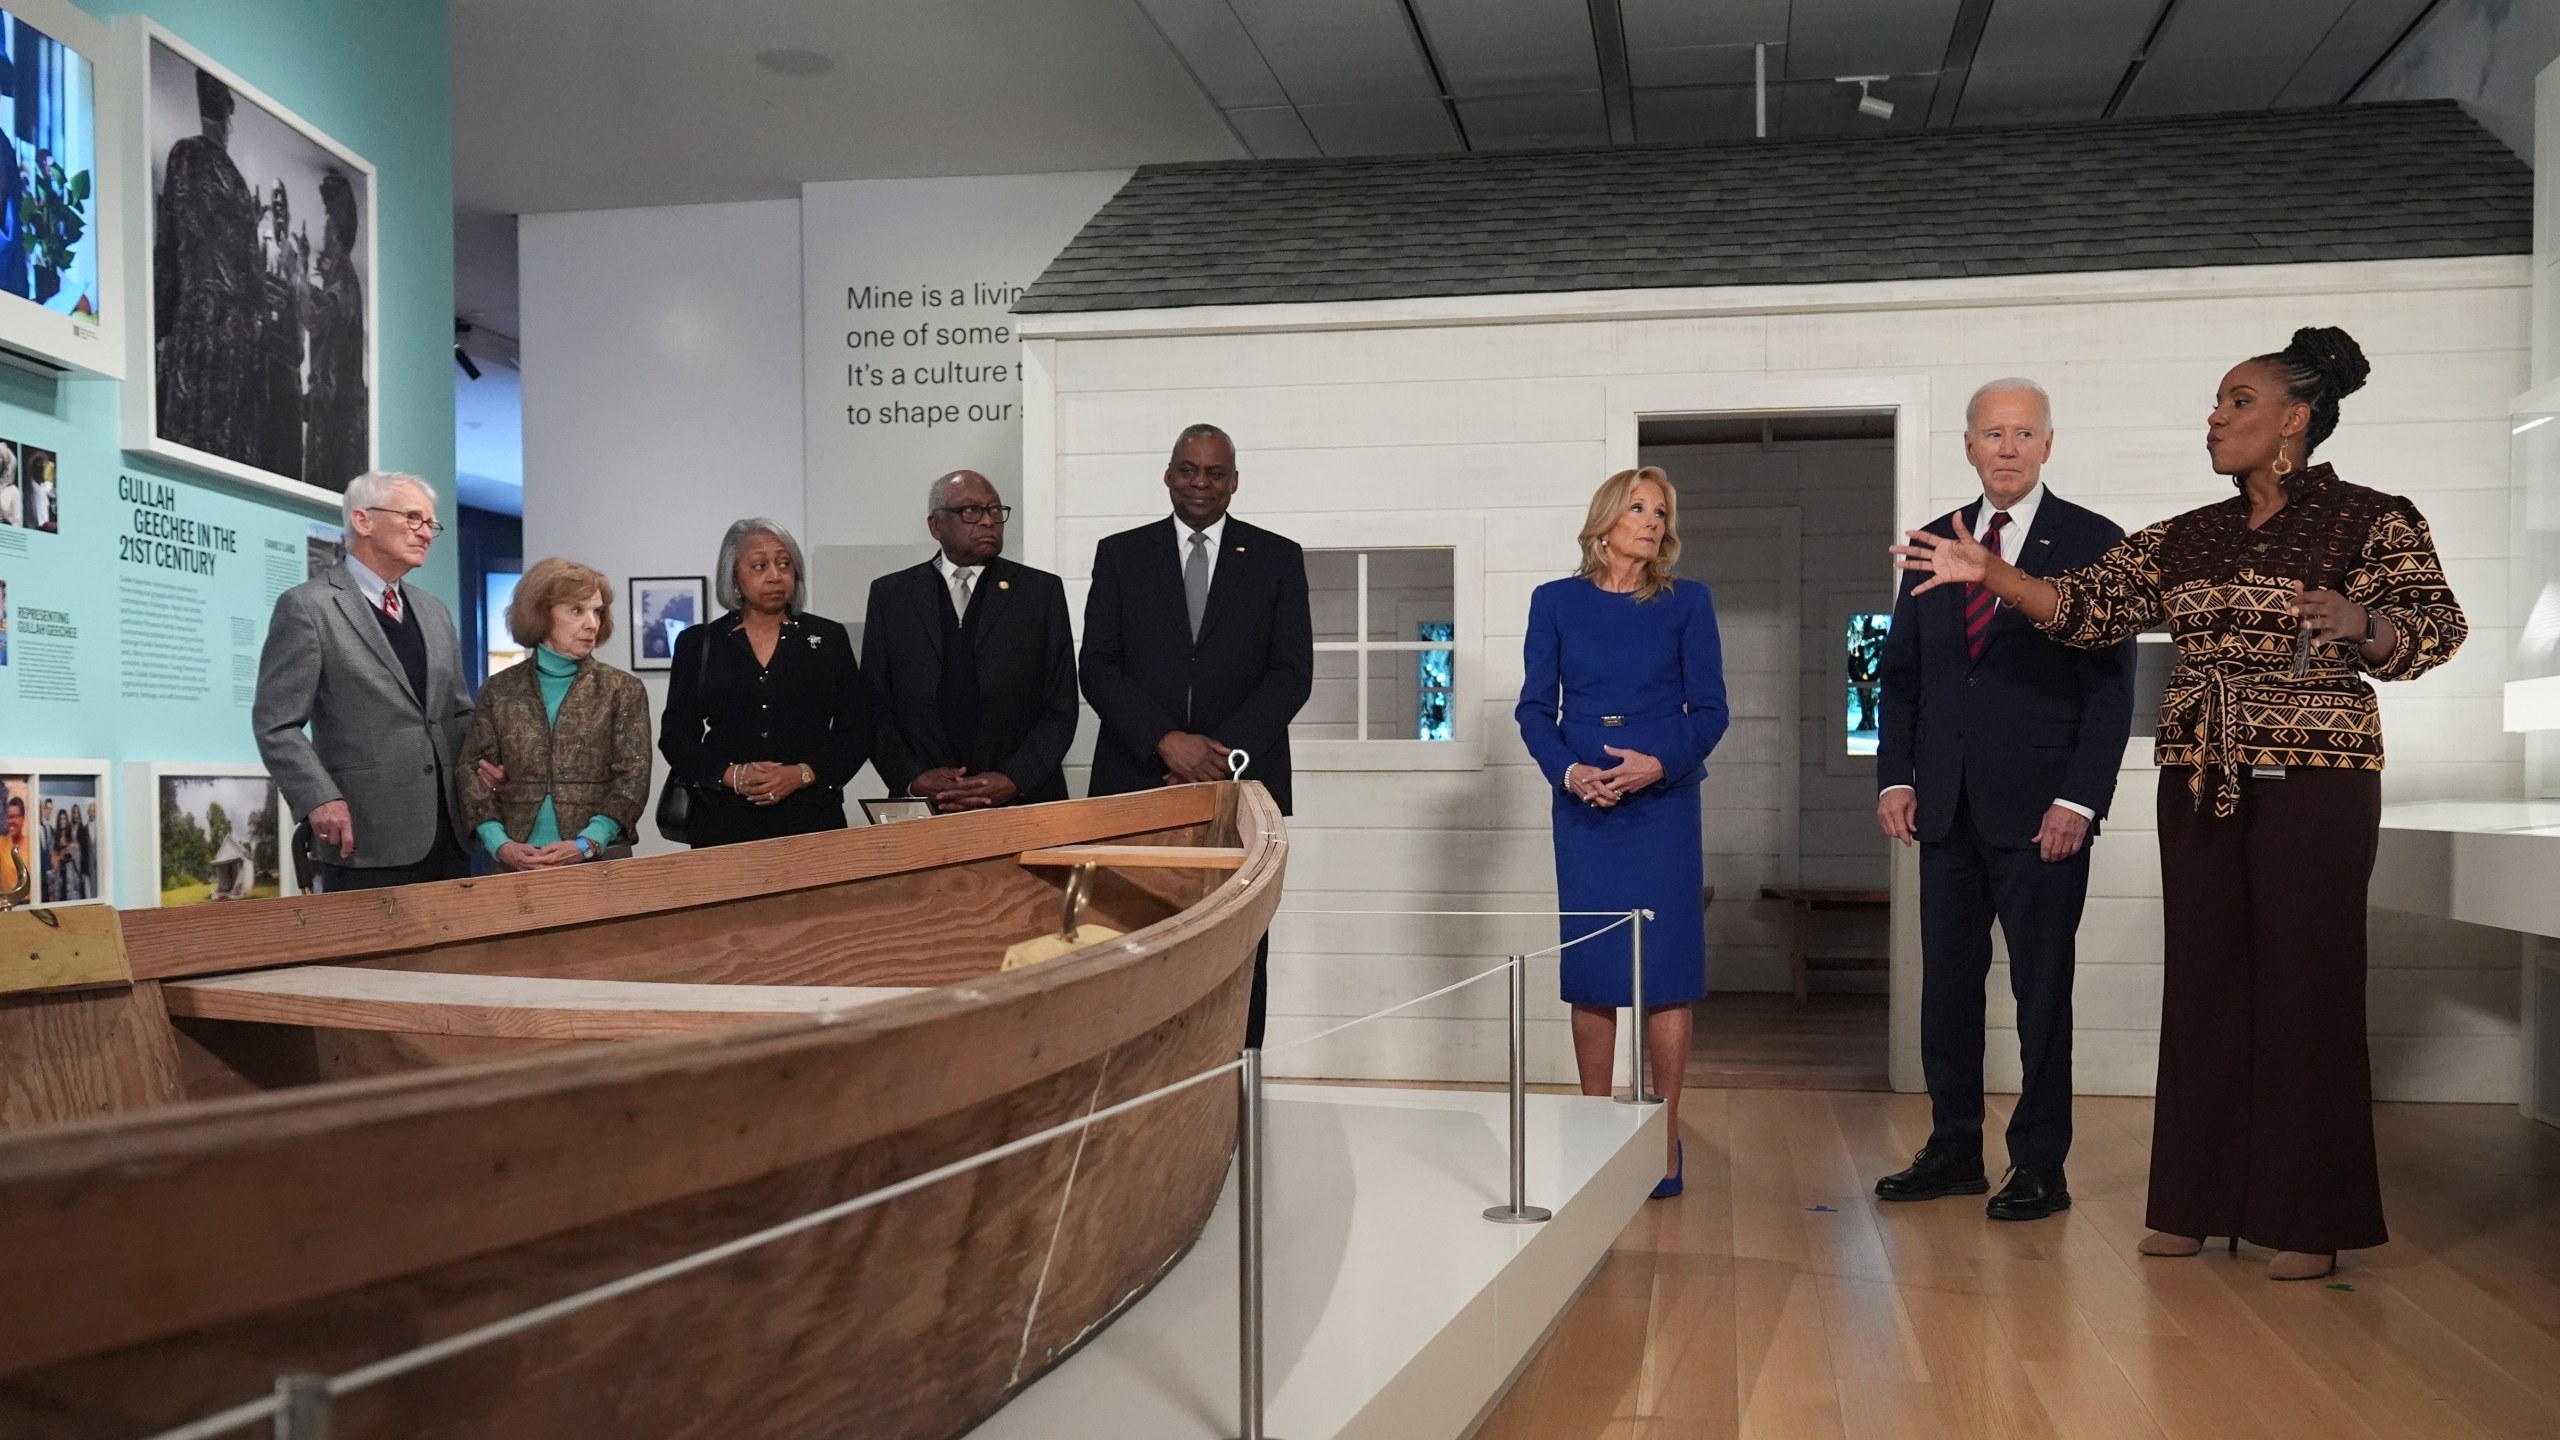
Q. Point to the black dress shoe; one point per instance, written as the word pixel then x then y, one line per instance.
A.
pixel 2031 1194
pixel 1934 1173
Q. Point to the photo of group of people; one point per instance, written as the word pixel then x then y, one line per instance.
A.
pixel 57 833
pixel 30 491
pixel 260 262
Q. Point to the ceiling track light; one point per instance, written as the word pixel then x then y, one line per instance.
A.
pixel 1870 104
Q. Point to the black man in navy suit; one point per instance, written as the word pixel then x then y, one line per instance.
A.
pixel 1198 643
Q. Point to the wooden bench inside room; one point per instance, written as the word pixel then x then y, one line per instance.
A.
pixel 1803 902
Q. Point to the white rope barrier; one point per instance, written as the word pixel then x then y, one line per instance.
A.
pixel 1382 1014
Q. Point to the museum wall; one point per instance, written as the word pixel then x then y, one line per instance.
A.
pixel 1344 428
pixel 135 624
pixel 661 390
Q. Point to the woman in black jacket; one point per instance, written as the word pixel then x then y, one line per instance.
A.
pixel 766 720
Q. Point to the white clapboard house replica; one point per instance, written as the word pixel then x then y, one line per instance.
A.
pixel 1429 363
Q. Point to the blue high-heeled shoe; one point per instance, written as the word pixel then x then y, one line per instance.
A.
pixel 1670 1185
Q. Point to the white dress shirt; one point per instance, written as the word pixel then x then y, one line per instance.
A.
pixel 1217 533
pixel 951 574
pixel 2013 543
pixel 369 584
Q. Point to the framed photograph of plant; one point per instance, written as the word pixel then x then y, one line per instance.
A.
pixel 61 271
pixel 256 358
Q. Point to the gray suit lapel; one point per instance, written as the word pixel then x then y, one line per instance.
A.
pixel 359 618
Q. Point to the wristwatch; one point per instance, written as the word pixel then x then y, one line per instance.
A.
pixel 586 847
pixel 2372 632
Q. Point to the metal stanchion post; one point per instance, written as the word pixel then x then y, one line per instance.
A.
pixel 1640 1091
pixel 1519 1211
pixel 1249 1143
pixel 302 1407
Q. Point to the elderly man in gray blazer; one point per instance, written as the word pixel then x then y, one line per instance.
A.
pixel 361 706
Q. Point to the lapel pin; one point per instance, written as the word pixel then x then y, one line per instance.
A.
pixel 813 642
pixel 1004 584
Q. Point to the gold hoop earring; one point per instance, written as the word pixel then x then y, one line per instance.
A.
pixel 2284 457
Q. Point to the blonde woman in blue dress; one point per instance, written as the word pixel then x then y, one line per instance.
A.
pixel 1623 701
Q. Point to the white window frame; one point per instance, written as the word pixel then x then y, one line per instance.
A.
pixel 1463 537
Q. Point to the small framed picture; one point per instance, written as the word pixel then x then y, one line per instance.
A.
pixel 661 607
pixel 881 812
pixel 209 832
pixel 59 832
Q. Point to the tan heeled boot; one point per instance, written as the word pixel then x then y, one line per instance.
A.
pixel 2300 1265
pixel 2163 1244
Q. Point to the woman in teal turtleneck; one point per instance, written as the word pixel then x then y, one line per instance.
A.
pixel 556 768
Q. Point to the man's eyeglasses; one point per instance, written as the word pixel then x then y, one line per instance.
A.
pixel 978 514
pixel 415 520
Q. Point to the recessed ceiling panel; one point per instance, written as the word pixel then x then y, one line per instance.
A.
pixel 1563 120
pixel 1684 42
pixel 2053 60
pixel 1701 65
pixel 1694 115
pixel 1339 52
pixel 1869 37
pixel 1517 48
pixel 1385 127
pixel 2228 55
pixel 1274 132
pixel 1212 42
pixel 2361 36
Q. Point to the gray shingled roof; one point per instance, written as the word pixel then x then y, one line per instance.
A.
pixel 2350 182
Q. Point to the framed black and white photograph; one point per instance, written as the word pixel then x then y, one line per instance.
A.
pixel 255 356
pixel 661 607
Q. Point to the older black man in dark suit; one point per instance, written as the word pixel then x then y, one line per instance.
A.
pixel 971 663
pixel 1198 643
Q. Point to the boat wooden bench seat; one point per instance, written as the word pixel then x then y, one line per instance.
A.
pixel 1139 857
pixel 421 1002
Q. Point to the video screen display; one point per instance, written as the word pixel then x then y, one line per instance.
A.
pixel 48 177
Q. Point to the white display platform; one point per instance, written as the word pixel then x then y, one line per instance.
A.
pixel 1394 1309
pixel 2483 862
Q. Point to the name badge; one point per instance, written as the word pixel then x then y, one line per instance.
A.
pixel 2266 772
pixel 1613 720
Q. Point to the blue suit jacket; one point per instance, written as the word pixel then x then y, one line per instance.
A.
pixel 2033 721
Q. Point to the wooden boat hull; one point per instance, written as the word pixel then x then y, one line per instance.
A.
pixel 199 1251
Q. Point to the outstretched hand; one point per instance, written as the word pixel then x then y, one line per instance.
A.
pixel 1962 560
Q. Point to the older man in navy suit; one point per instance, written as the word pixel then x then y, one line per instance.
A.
pixel 1998 754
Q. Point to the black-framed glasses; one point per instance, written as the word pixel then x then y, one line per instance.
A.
pixel 415 520
pixel 977 514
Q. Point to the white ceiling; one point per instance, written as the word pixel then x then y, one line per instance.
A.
pixel 589 104
pixel 593 104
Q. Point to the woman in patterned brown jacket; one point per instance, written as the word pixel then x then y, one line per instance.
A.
pixel 556 767
pixel 2283 600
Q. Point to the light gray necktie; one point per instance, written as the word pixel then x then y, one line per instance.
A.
pixel 960 593
pixel 1195 579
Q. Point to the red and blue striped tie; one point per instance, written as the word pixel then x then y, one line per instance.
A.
pixel 1979 602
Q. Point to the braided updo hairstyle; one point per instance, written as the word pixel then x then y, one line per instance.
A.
pixel 2321 366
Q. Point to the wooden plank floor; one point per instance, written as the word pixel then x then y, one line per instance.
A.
pixel 1746 1041
pixel 1779 1299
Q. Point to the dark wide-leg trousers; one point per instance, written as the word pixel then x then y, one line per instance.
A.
pixel 1965 883
pixel 2263 1127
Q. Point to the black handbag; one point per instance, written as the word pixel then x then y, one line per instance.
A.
pixel 675 797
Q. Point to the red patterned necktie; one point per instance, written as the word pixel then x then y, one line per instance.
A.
pixel 391 604
pixel 1979 602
